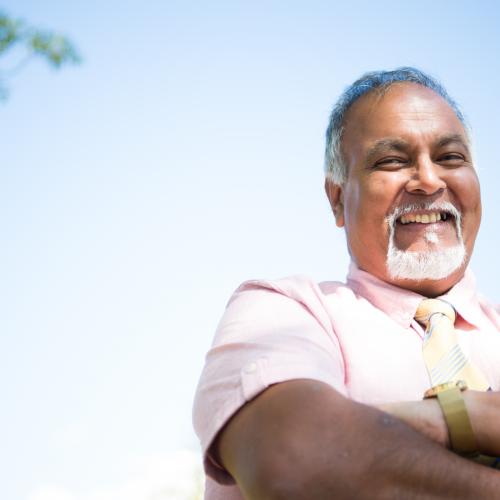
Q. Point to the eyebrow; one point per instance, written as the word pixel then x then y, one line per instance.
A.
pixel 398 144
pixel 385 144
pixel 452 138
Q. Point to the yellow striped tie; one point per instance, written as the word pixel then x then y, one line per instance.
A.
pixel 443 356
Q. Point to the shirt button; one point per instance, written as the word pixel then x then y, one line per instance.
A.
pixel 251 368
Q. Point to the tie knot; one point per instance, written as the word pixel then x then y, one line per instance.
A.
pixel 428 307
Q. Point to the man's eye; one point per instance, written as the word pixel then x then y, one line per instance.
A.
pixel 452 157
pixel 390 162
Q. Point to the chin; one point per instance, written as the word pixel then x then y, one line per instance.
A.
pixel 430 265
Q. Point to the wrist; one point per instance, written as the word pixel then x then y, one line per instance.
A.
pixel 424 416
pixel 435 423
pixel 460 432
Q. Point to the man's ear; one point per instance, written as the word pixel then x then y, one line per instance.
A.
pixel 335 195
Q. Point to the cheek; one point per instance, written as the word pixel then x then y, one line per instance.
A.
pixel 367 203
pixel 465 186
pixel 352 200
pixel 374 196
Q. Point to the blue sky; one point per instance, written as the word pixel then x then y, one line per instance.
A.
pixel 138 189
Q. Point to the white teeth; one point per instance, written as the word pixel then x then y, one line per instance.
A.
pixel 423 218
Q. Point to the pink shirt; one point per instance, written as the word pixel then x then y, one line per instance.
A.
pixel 359 337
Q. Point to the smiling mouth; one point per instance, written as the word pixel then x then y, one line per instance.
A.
pixel 412 218
pixel 425 218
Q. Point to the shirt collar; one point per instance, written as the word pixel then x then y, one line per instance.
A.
pixel 463 296
pixel 401 304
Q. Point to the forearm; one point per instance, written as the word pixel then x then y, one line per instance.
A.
pixel 302 440
pixel 426 417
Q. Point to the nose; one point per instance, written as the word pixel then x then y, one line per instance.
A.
pixel 426 178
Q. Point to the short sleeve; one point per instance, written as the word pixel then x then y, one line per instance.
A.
pixel 271 332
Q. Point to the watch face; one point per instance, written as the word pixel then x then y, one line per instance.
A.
pixel 434 391
pixel 444 387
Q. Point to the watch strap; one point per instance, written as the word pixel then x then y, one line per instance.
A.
pixel 462 438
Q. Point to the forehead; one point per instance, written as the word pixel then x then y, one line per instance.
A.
pixel 405 111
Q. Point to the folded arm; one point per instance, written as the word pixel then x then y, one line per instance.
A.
pixel 303 440
pixel 427 418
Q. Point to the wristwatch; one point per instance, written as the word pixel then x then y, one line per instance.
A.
pixel 455 413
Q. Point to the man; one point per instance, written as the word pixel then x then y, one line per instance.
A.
pixel 315 391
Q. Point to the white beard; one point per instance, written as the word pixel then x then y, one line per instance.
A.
pixel 432 264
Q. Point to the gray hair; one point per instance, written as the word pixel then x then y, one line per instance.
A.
pixel 335 167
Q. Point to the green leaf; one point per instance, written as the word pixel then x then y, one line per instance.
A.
pixel 56 49
pixel 10 32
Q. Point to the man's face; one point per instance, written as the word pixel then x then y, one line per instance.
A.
pixel 406 150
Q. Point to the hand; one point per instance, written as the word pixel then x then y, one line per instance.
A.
pixel 484 412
